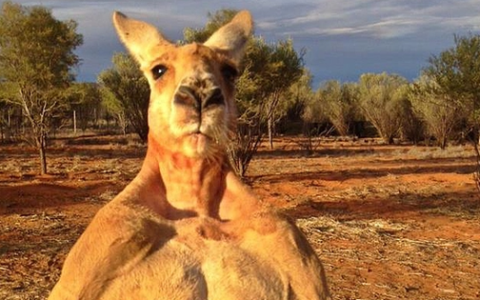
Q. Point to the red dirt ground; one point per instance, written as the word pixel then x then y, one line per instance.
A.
pixel 388 222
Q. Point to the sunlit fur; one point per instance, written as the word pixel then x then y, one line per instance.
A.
pixel 177 123
pixel 186 228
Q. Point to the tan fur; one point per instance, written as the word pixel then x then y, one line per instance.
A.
pixel 186 228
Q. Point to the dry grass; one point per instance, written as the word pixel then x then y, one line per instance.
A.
pixel 374 254
pixel 389 222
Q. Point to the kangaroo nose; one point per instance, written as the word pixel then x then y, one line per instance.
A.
pixel 213 98
pixel 186 96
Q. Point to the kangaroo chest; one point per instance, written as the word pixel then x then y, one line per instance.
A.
pixel 197 259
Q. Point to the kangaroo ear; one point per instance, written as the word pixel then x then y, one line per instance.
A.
pixel 232 37
pixel 137 36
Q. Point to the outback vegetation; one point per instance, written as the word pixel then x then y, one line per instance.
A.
pixel 359 164
pixel 274 92
pixel 36 58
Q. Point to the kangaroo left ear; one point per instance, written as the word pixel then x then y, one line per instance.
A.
pixel 137 36
pixel 232 37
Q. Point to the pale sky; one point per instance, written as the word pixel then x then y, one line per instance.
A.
pixel 343 38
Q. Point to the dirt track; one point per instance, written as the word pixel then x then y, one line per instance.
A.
pixel 388 222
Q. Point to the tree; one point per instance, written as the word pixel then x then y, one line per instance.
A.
pixel 441 113
pixel 215 21
pixel 412 127
pixel 269 71
pixel 126 93
pixel 339 104
pixel 5 114
pixel 283 69
pixel 307 108
pixel 250 108
pixel 456 73
pixel 294 101
pixel 85 99
pixel 381 98
pixel 36 62
pixel 115 108
pixel 10 117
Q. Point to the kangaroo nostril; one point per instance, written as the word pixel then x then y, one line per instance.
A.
pixel 185 96
pixel 215 97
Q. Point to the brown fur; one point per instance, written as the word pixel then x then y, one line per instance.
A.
pixel 186 227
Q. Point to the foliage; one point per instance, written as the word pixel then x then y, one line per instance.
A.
pixel 269 71
pixel 412 127
pixel 85 100
pixel 440 112
pixel 10 117
pixel 456 72
pixel 284 69
pixel 339 102
pixel 298 98
pixel 115 108
pixel 215 21
pixel 381 99
pixel 126 94
pixel 36 61
pixel 5 113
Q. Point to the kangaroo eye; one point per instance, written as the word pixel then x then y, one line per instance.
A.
pixel 158 71
pixel 229 72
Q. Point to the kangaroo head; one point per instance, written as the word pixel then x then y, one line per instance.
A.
pixel 192 108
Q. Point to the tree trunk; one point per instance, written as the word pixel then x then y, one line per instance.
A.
pixel 41 144
pixel 272 104
pixel 391 140
pixel 443 143
pixel 75 122
pixel 476 138
pixel 9 130
pixel 95 117
pixel 270 131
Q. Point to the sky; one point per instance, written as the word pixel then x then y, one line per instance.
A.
pixel 343 38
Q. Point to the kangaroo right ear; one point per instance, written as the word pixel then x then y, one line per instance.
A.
pixel 232 37
pixel 137 36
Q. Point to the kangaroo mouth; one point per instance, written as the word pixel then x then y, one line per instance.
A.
pixel 199 142
pixel 199 134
